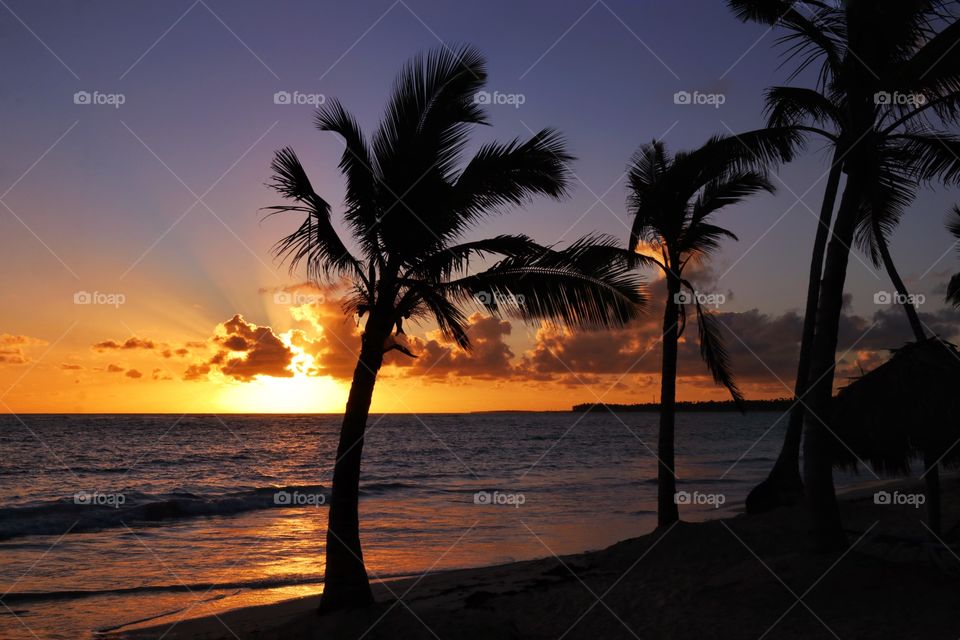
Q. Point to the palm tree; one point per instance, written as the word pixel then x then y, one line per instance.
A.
pixel 674 200
pixel 407 206
pixel 873 54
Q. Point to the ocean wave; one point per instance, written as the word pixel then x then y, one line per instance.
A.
pixel 93 511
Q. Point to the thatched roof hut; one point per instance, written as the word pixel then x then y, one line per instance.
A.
pixel 907 407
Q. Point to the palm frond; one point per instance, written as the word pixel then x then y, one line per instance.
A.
pixel 892 189
pixel 505 174
pixel 727 191
pixel 953 291
pixel 588 285
pixel 315 242
pixel 451 321
pixel 791 106
pixel 454 259
pixel 647 198
pixel 715 355
pixel 429 114
pixel 357 166
pixel 933 156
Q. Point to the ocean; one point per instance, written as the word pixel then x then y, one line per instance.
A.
pixel 113 520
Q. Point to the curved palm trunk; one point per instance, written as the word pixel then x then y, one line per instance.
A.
pixel 818 443
pixel 931 472
pixel 345 583
pixel 667 511
pixel 915 325
pixel 784 487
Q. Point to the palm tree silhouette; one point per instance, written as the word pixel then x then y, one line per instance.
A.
pixel 875 55
pixel 407 207
pixel 674 200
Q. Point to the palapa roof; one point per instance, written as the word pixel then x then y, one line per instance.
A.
pixel 911 402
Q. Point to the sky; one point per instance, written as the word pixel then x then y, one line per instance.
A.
pixel 137 138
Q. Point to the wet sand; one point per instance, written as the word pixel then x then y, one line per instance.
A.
pixel 742 577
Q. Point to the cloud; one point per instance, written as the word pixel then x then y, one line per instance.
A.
pixel 133 373
pixel 69 366
pixel 333 341
pixel 135 342
pixel 249 350
pixel 12 348
pixel 112 368
pixel 763 347
pixel 489 357
pixel 326 334
pixel 196 372
pixel 130 343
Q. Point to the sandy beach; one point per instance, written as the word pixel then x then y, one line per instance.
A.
pixel 742 577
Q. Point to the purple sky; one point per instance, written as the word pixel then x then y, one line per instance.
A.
pixel 104 208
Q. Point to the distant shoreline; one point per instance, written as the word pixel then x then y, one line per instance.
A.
pixel 779 404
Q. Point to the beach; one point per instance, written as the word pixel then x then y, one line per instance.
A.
pixel 738 577
pixel 220 514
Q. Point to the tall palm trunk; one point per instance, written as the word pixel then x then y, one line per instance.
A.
pixel 784 486
pixel 345 577
pixel 667 511
pixel 818 443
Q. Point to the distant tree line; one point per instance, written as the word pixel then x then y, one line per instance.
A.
pixel 779 404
